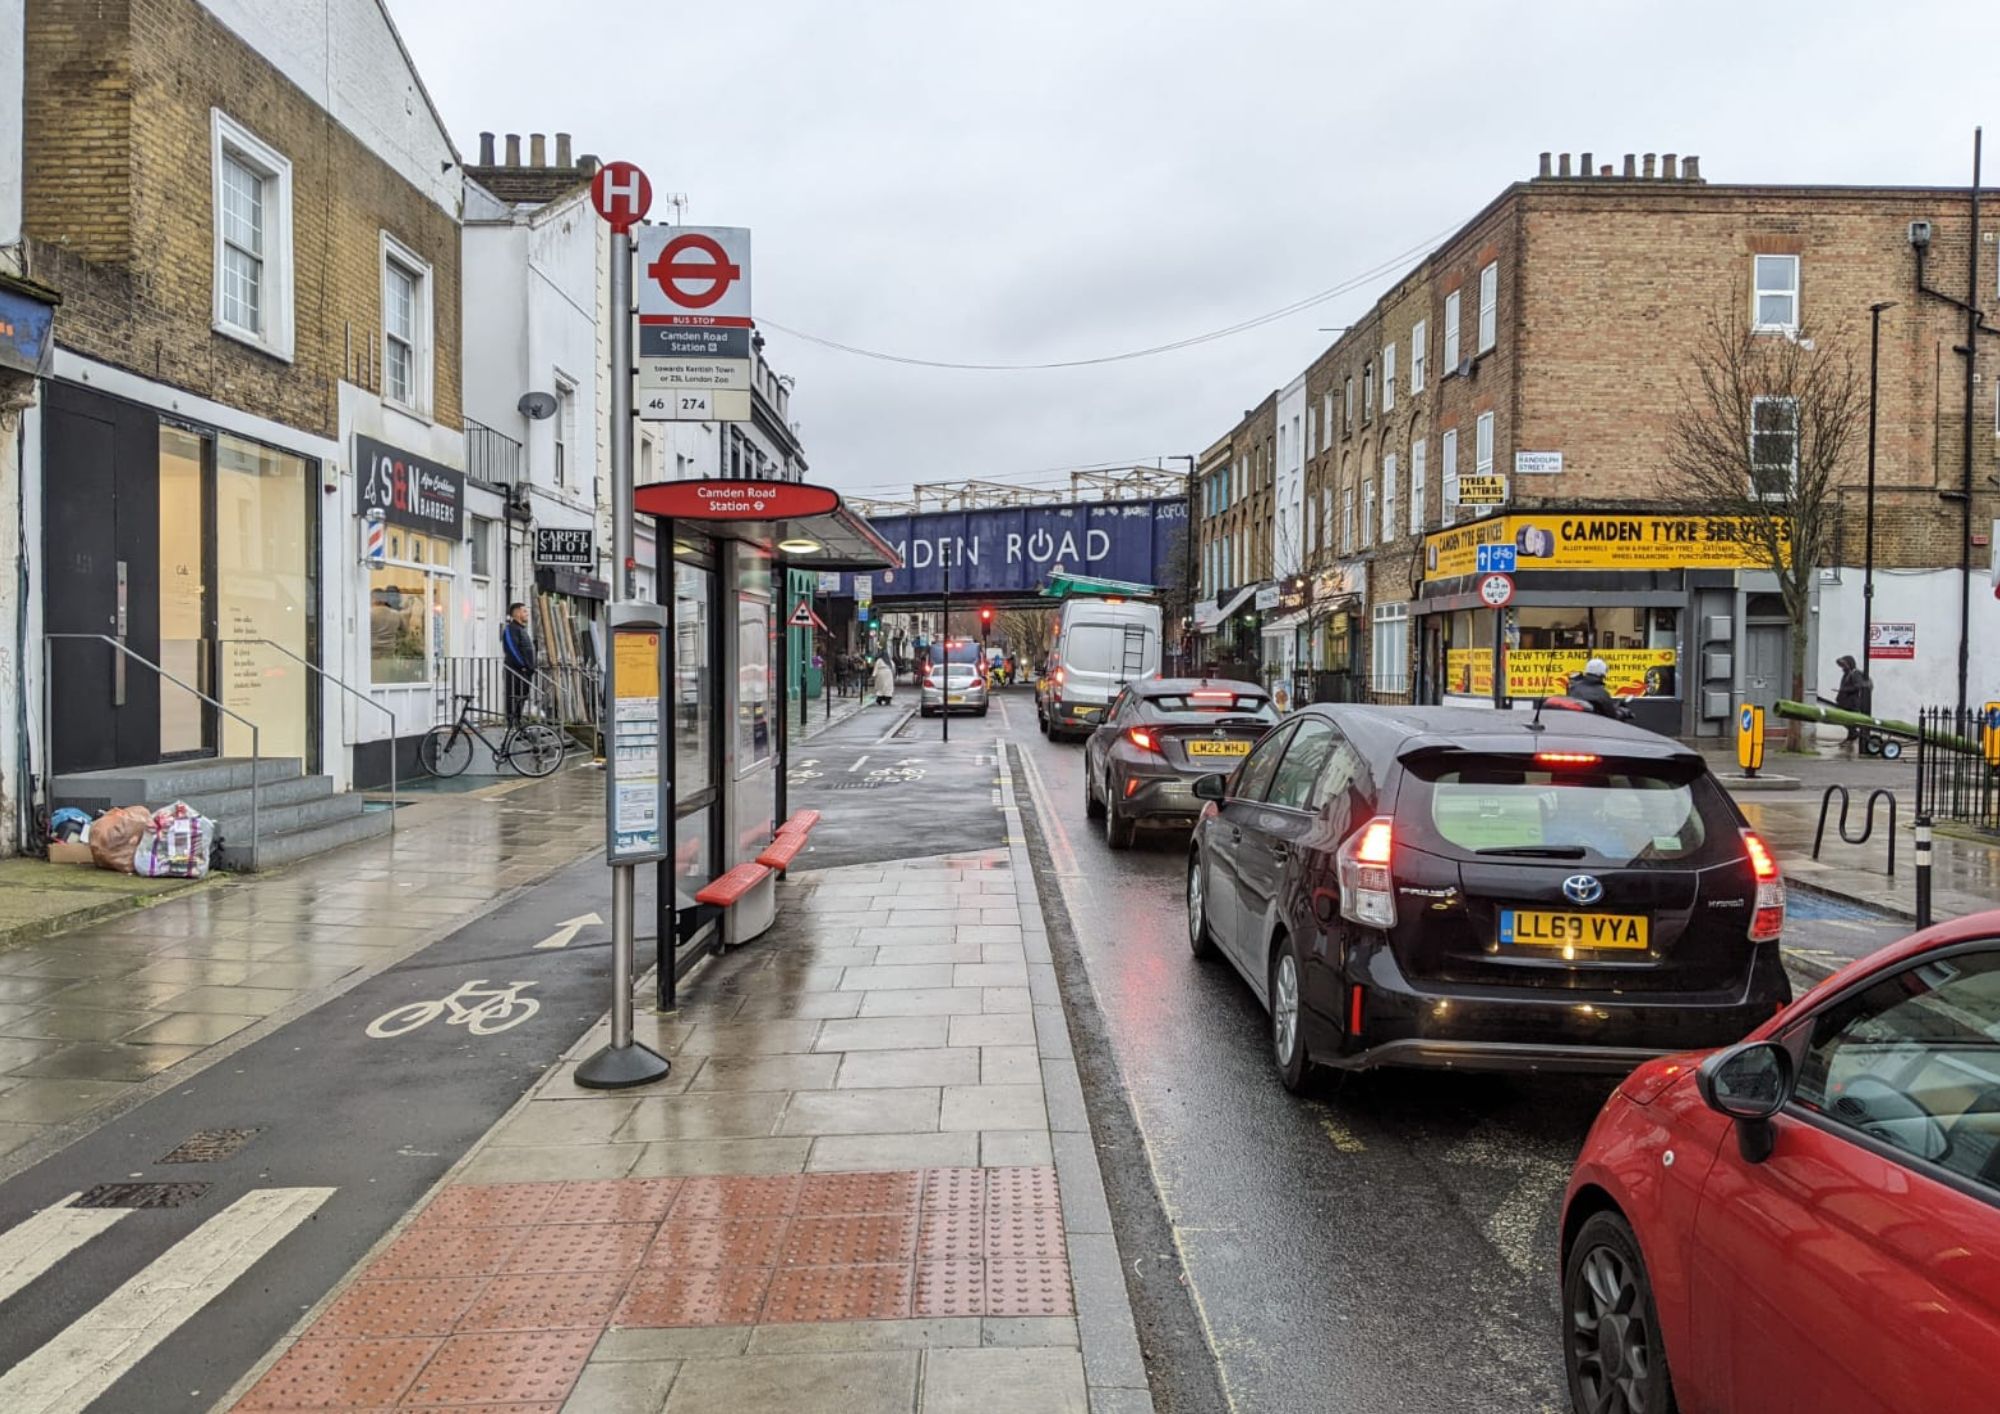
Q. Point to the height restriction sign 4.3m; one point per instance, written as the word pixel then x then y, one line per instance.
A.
pixel 694 324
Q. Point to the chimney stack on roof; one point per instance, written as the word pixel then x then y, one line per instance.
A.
pixel 1585 167
pixel 1669 167
pixel 1661 167
pixel 1562 165
pixel 513 149
pixel 486 149
pixel 562 150
pixel 1690 169
pixel 1546 168
pixel 1631 167
pixel 538 150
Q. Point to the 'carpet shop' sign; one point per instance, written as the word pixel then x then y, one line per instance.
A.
pixel 409 490
pixel 1564 541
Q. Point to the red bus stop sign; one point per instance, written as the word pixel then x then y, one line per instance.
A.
pixel 621 194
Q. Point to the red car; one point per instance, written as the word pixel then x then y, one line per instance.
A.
pixel 1807 1222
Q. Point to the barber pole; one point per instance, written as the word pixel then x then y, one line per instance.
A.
pixel 375 538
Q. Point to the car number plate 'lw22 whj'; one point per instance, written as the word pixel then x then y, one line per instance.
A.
pixel 1536 928
pixel 1218 748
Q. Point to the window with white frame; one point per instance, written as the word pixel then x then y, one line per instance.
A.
pixel 1774 447
pixel 1326 514
pixel 564 424
pixel 1489 305
pixel 1389 378
pixel 1482 445
pixel 1347 520
pixel 1326 420
pixel 1774 304
pixel 1417 473
pixel 1388 497
pixel 1448 478
pixel 252 195
pixel 1347 400
pixel 1298 446
pixel 1367 512
pixel 406 327
pixel 1452 319
pixel 1312 526
pixel 1367 391
pixel 1418 335
pixel 1389 647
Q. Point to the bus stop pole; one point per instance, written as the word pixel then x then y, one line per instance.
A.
pixel 623 1063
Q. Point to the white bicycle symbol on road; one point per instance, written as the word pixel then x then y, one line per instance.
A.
pixel 492 1009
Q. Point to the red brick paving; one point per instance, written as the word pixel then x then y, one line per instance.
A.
pixel 495 1296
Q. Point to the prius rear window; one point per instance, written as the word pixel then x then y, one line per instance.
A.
pixel 1606 817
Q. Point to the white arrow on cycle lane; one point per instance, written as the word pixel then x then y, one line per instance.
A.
pixel 566 931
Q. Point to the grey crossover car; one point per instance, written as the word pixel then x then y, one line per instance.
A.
pixel 1157 739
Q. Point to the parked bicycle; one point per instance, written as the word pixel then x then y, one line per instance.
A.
pixel 532 748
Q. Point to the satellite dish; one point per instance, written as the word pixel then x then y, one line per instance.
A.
pixel 537 405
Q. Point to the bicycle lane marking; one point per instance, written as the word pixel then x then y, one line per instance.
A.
pixel 378 1121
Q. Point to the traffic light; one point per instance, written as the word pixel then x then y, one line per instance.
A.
pixel 986 623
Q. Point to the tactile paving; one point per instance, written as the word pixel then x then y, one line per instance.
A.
pixel 839 1194
pixel 335 1374
pixel 1028 1287
pixel 1031 1187
pixel 613 1200
pixel 488 1205
pixel 954 1188
pixel 496 1369
pixel 580 1247
pixel 852 1293
pixel 1024 1232
pixel 447 1252
pixel 425 1306
pixel 692 1297
pixel 950 1289
pixel 718 1242
pixel 545 1301
pixel 850 1241
pixel 952 1235
pixel 764 1196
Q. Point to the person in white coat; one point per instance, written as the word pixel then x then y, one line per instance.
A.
pixel 885 681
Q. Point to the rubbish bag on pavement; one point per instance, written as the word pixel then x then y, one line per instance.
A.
pixel 69 824
pixel 115 835
pixel 176 844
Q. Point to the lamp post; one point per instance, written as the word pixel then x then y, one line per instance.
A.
pixel 1187 566
pixel 1868 510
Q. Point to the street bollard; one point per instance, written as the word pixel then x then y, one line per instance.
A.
pixel 1923 871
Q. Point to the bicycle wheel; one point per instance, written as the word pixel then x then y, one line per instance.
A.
pixel 398 1020
pixel 499 1016
pixel 533 750
pixel 445 751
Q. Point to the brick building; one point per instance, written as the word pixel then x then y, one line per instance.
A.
pixel 1234 517
pixel 251 213
pixel 1534 362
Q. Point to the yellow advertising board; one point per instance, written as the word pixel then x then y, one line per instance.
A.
pixel 1482 490
pixel 1561 540
pixel 1545 672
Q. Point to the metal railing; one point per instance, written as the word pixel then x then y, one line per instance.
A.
pixel 491 456
pixel 48 716
pixel 1958 769
pixel 568 696
pixel 353 692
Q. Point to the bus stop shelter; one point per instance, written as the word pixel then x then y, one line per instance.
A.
pixel 730 544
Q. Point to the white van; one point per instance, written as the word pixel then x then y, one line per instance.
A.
pixel 1101 645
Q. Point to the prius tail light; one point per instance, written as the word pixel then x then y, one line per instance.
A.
pixel 1768 921
pixel 1367 885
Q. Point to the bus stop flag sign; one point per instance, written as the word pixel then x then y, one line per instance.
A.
pixel 621 195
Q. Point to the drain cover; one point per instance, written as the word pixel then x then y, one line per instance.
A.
pixel 207 1145
pixel 857 785
pixel 140 1195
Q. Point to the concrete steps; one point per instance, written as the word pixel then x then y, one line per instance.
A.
pixel 297 815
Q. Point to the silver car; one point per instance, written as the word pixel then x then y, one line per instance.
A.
pixel 959 686
pixel 1158 739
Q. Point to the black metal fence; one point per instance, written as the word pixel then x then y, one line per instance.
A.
pixel 1958 768
pixel 566 696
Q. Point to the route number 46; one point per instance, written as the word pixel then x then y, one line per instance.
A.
pixel 684 407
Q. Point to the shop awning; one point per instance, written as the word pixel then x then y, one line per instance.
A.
pixel 804 527
pixel 1285 623
pixel 1206 623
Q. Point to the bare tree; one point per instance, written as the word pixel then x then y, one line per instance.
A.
pixel 1767 423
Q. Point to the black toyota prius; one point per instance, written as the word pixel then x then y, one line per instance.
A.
pixel 1469 887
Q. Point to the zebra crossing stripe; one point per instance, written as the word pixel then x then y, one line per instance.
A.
pixel 31 1248
pixel 95 1350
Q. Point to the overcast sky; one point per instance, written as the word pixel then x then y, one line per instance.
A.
pixel 1027 181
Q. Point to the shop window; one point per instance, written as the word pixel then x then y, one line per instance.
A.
pixel 408 617
pixel 1774 447
pixel 265 599
pixel 1389 648
pixel 1775 301
pixel 1638 644
pixel 1418 335
pixel 694 681
pixel 1452 319
pixel 252 201
pixel 406 327
pixel 1489 305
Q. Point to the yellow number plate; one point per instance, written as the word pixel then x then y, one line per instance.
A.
pixel 1534 928
pixel 1218 748
pixel 957 697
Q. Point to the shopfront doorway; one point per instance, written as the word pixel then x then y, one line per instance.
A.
pixel 192 548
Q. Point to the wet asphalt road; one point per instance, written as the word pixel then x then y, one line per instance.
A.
pixel 1386 1246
